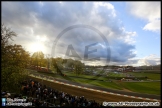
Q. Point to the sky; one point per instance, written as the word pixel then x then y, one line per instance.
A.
pixel 97 33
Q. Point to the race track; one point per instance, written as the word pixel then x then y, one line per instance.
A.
pixel 98 95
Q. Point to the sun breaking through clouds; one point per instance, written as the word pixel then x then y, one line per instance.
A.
pixel 39 23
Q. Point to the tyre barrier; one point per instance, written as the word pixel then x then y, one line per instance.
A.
pixel 45 78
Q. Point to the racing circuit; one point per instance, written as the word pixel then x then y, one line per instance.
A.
pixel 94 92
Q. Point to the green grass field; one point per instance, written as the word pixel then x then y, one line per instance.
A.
pixel 86 76
pixel 153 76
pixel 111 85
pixel 112 74
pixel 142 87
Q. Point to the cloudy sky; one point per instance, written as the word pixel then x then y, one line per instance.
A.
pixel 98 33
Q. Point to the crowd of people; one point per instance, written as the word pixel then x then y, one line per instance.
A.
pixel 42 96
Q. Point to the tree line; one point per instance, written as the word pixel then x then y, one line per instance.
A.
pixel 57 65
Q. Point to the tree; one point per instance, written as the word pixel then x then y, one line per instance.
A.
pixel 69 64
pixel 14 60
pixel 78 67
pixel 6 35
pixel 37 58
pixel 57 64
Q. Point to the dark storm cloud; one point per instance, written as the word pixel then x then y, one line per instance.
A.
pixel 121 51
